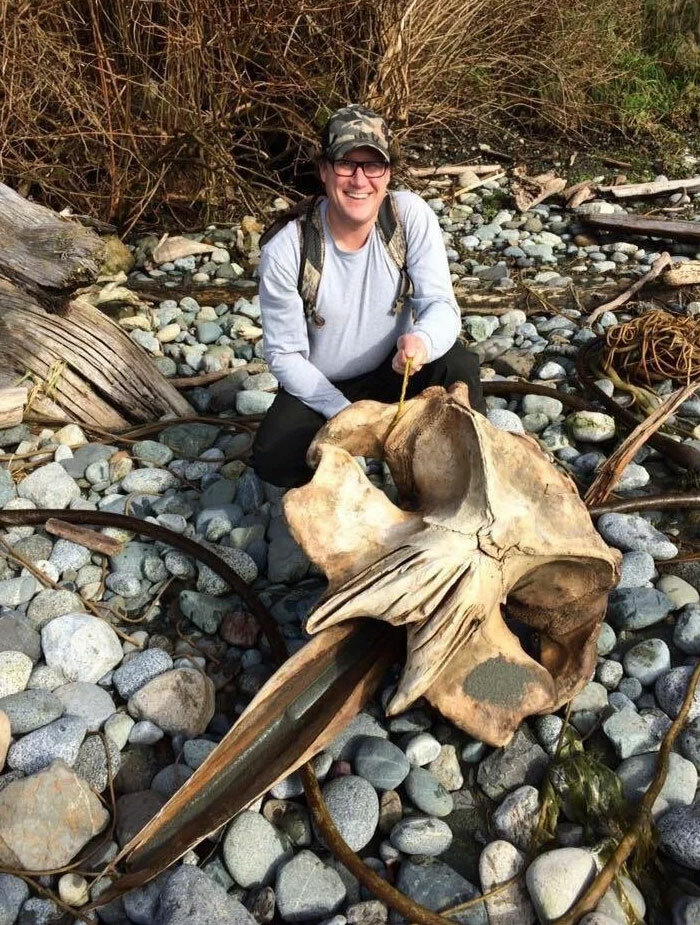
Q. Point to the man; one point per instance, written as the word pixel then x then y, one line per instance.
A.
pixel 354 342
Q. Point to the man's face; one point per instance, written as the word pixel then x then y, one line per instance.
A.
pixel 355 200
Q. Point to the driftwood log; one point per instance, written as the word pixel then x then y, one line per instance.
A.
pixel 85 366
pixel 639 224
pixel 12 402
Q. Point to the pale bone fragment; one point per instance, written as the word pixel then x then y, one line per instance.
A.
pixel 169 249
pixel 529 191
pixel 496 526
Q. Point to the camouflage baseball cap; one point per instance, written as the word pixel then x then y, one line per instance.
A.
pixel 355 126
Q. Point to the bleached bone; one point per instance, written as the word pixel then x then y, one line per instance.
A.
pixel 497 530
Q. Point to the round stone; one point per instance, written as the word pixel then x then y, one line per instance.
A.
pixel 380 762
pixel 427 794
pixel 557 879
pixel 180 701
pixel 680 592
pixel 139 670
pixel 422 749
pixel 591 426
pixel 253 849
pixel 421 835
pixel 38 749
pixel 630 533
pixel 670 691
pixel 354 808
pixel 31 709
pixel 606 640
pixel 637 569
pixel 689 741
pixel 516 818
pixel 679 833
pixel 88 701
pixel 83 647
pixel 505 420
pixel 149 481
pixel 648 660
pixel 609 673
pixel 498 862
pixel 15 669
pixel 307 890
pixel 686 633
pixel 637 608
pixel 542 404
pixel 593 698
pixel 638 772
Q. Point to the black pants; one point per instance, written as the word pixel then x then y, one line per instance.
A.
pixel 286 432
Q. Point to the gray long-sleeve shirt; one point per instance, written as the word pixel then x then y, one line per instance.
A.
pixel 356 297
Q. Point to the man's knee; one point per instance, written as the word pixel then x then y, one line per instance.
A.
pixel 279 450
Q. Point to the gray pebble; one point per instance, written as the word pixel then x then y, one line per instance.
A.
pixel 427 794
pixel 422 835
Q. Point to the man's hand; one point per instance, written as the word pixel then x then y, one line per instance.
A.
pixel 409 345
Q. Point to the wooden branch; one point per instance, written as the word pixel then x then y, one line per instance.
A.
pixel 189 382
pixel 638 224
pixel 658 265
pixel 610 472
pixel 629 190
pixel 452 170
pixel 12 402
pixel 478 181
pixel 84 536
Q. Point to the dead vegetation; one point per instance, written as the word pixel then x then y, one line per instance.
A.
pixel 188 110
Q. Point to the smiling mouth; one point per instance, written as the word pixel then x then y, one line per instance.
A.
pixel 358 196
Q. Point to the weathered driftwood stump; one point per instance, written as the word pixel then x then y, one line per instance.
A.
pixel 497 531
pixel 92 372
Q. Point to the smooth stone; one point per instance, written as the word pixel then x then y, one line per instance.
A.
pixel 637 569
pixel 628 733
pixel 446 769
pixel 686 633
pixel 593 698
pixel 145 733
pixel 630 687
pixel 149 481
pixel 196 751
pixel 66 555
pixel 638 772
pixel 134 810
pixel 253 850
pixel 678 590
pixel 522 761
pixel 49 486
pixel 433 884
pixel 209 582
pixel 630 533
pixel 505 420
pixel 422 749
pixel 190 440
pixel 139 670
pixel 88 701
pixel 95 765
pixel 31 709
pixel 647 661
pixel 17 635
pixel 36 750
pixel 83 647
pixel 606 639
pixel 609 673
pixel 190 897
pixel 118 727
pixel 591 426
pixel 421 835
pixel 515 820
pixel 380 762
pixel 13 893
pixel 306 889
pixel 353 806
pixel 15 671
pixel 346 742
pixel 556 879
pixel 679 834
pixel 637 608
pixel 45 678
pixel 47 818
pixel 670 691
pixel 51 603
pixel 180 702
pixel 170 778
pixel 427 794
pixel 498 862
pixel 292 786
pixel 150 451
pixel 542 404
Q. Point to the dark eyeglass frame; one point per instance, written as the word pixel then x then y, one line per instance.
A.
pixel 353 165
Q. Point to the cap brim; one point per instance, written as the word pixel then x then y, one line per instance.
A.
pixel 348 146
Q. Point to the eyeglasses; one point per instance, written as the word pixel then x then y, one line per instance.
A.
pixel 371 169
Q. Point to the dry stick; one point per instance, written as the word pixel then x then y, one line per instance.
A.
pixel 612 469
pixel 602 882
pixel 84 536
pixel 452 170
pixel 658 265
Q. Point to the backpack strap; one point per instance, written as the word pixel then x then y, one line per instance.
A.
pixel 312 250
pixel 393 236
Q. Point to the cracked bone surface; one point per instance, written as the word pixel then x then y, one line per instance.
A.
pixel 496 535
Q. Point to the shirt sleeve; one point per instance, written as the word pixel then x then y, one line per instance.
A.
pixel 437 315
pixel 286 340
